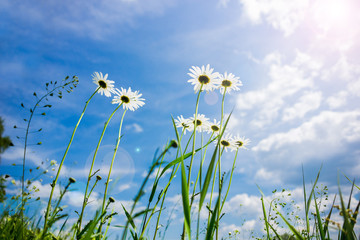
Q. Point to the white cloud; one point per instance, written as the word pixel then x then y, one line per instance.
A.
pixel 134 127
pixel 338 100
pixel 286 81
pixel 241 204
pixel 342 69
pixel 280 14
pixel 15 155
pixel 123 187
pixel 321 136
pixel 267 176
pixel 308 102
pixel 354 87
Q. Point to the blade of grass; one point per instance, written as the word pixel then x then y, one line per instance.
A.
pixel 184 189
pixel 264 213
pixel 211 227
pixel 328 217
pixel 128 216
pixel 352 182
pixel 207 178
pixel 209 172
pixel 319 223
pixel 308 201
pixel 346 225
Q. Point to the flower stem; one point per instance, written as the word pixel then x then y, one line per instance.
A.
pixel 91 168
pixel 194 139
pixel 231 175
pixel 219 161
pixel 111 165
pixel 61 163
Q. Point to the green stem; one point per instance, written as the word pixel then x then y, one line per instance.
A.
pixel 163 195
pixel 91 168
pixel 25 148
pixel 219 162
pixel 194 139
pixel 111 165
pixel 231 175
pixel 61 164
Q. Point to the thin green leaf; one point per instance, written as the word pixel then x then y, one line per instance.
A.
pixel 207 180
pixel 319 223
pixel 346 225
pixel 265 217
pixel 211 228
pixel 130 219
pixel 184 189
pixel 328 217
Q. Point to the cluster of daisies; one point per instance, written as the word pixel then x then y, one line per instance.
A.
pixel 205 79
pixel 203 124
pixel 129 99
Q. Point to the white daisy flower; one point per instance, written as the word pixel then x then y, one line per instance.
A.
pixel 226 142
pixel 130 100
pixel 229 82
pixel 214 127
pixel 106 86
pixel 204 77
pixel 202 123
pixel 183 123
pixel 240 142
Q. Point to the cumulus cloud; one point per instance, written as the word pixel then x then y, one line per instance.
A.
pixel 280 14
pixel 285 81
pixel 321 136
pixel 338 100
pixel 308 102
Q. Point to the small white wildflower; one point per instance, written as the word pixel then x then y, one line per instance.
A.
pixel 183 123
pixel 203 78
pixel 229 82
pixel 106 86
pixel 129 99
pixel 202 123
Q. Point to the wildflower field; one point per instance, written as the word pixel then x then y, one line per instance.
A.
pixel 172 119
pixel 199 143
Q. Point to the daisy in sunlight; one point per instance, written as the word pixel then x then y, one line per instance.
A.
pixel 203 78
pixel 106 86
pixel 129 99
pixel 226 142
pixel 229 82
pixel 214 127
pixel 183 123
pixel 202 123
pixel 240 142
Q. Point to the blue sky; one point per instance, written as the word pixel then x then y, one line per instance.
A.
pixel 298 62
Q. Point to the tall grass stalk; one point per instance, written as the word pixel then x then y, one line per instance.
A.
pixel 74 81
pixel 86 196
pixel 53 184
